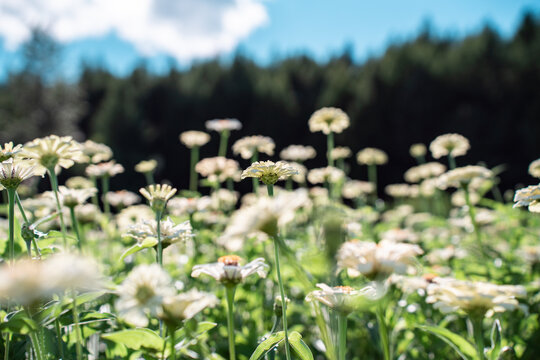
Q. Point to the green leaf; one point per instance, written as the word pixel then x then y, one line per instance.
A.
pixel 496 340
pixel 146 243
pixel 136 339
pixel 462 346
pixel 267 345
pixel 299 346
pixel 201 328
pixel 18 323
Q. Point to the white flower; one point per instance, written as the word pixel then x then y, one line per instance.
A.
pixel 52 152
pixel 328 119
pixel 229 271
pixel 217 168
pixel 133 215
pixel 13 173
pixel 377 260
pixel 94 152
pixel 221 125
pixel 142 293
pixel 158 195
pixel 109 168
pixel 449 144
pixel 353 189
pixel 424 171
pixel 194 138
pixel 534 168
pixel 146 166
pixel 72 197
pixel 345 299
pixel 528 196
pixel 340 152
pixel 9 151
pixel 169 232
pixel 402 190
pixel 180 206
pixel 371 156
pixel 186 305
pixel 122 198
pixel 417 150
pixel 223 199
pixel 298 153
pixel 247 146
pixel 327 174
pixel 463 175
pixel 269 172
pixel 474 298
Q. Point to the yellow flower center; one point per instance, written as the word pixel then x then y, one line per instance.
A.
pixel 230 260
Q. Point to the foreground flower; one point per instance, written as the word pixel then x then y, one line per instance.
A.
pixel 221 125
pixel 51 152
pixel 228 270
pixel 449 144
pixel 529 196
pixel 345 299
pixel 248 146
pixel 477 299
pixel 158 195
pixel 170 233
pixel 31 281
pixel 371 156
pixel 8 151
pixel 328 119
pixel 299 153
pixel 194 138
pixel 142 293
pixel 269 172
pixel 94 152
pixel 13 173
pixel 534 168
pixel 377 261
pixel 463 176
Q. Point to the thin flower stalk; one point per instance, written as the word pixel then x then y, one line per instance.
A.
pixel 75 227
pixel 54 185
pixel 472 215
pixel 78 333
pixel 11 217
pixel 342 335
pixel 255 181
pixel 172 341
pixel 372 177
pixel 478 335
pixel 105 190
pixel 223 142
pixel 330 147
pixel 35 339
pixel 383 332
pixel 193 176
pixel 451 161
pixel 230 290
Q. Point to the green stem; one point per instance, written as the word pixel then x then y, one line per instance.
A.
pixel 149 176
pixel 230 290
pixel 34 338
pixel 472 215
pixel 78 335
pixel 383 332
pixel 372 177
pixel 75 226
pixel 421 159
pixel 330 147
pixel 21 209
pixel 478 336
pixel 6 346
pixel 230 184
pixel 54 185
pixel 288 184
pixel 172 342
pixel 105 190
pixel 270 189
pixel 95 196
pixel 192 172
pixel 342 324
pixel 59 341
pixel 11 217
pixel 159 244
pixel 255 180
pixel 283 300
pixel 223 140
pixel 451 162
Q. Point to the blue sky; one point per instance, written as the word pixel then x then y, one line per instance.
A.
pixel 264 30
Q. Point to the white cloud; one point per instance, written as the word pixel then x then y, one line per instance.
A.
pixel 185 29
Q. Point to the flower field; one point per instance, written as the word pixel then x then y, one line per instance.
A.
pixel 310 264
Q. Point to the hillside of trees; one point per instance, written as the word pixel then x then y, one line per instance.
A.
pixel 483 86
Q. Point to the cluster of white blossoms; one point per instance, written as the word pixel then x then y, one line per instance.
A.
pixel 108 169
pixel 327 174
pixel 228 270
pixel 217 168
pixel 529 196
pixel 534 168
pixel 353 189
pixel 170 233
pixel 340 152
pixel 345 299
pixel 402 190
pixel 146 166
pixel 371 156
pixel 463 175
pixel 377 261
pixel 122 198
pixel 94 152
pixel 221 125
pixel 329 120
pixel 425 171
pixel 133 215
pixel 449 144
pixel 299 153
pixel 247 146
pixel 194 138
pixel 477 299
pixel 180 206
pixel 269 172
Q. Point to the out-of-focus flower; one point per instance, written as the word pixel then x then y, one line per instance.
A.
pixel 158 195
pixel 417 150
pixel 223 199
pixel 170 233
pixel 477 299
pixel 8 151
pixel 186 305
pixel 443 255
pixel 371 156
pixel 300 176
pixel 30 281
pixel 14 172
pixel 72 197
pixel 345 299
pixel 377 261
pixel 247 146
pixel 133 215
pixel 122 198
pixel 402 190
pixel 217 168
pixel 79 182
pixel 458 198
pixel 146 166
pixel 52 152
pixel 463 175
pixel 194 138
pixel 328 119
pixel 528 196
pixel 94 152
pixel 109 169
pixel 221 125
pixel 424 171
pixel 228 270
pixel 142 293
pixel 428 187
pixel 534 168
pixel 353 189
pixel 88 213
pixel 327 174
pixel 449 144
pixel 398 213
pixel 298 153
pixel 400 235
pixel 341 152
pixel 269 172
pixel 180 206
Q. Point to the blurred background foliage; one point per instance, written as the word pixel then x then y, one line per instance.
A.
pixel 483 86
